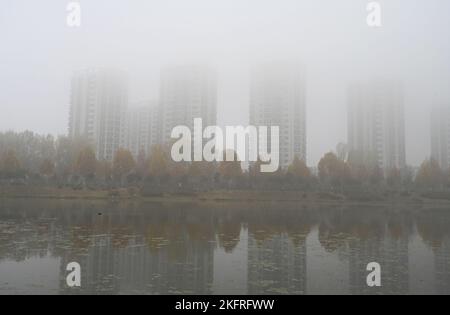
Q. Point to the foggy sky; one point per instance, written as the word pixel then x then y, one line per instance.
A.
pixel 39 52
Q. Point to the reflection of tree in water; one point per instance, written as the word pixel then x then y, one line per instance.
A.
pixel 334 231
pixel 121 236
pixel 433 226
pixel 264 225
pixel 154 248
pixel 157 235
pixel 298 228
pixel 360 236
pixel 24 240
pixel 337 227
pixel 81 237
pixel 200 231
pixel 400 224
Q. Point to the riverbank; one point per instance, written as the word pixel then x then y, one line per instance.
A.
pixel 372 198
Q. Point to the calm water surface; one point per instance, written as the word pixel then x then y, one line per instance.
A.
pixel 188 248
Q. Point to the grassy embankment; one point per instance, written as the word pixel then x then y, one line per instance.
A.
pixel 24 192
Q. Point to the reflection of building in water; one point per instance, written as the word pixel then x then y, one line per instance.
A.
pixel 276 266
pixel 442 259
pixel 183 267
pixel 161 251
pixel 97 267
pixel 390 253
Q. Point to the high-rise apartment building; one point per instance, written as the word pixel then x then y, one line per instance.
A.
pixel 142 127
pixel 278 98
pixel 187 92
pixel 440 136
pixel 98 108
pixel 376 123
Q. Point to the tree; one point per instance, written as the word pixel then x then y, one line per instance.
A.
pixel 123 163
pixel 30 149
pixel 178 173
pixel 430 175
pixel 47 168
pixel 447 178
pixel 377 176
pixel 10 165
pixel 298 172
pixel 327 166
pixel 103 170
pixel 158 162
pixel 67 153
pixel 298 169
pixel 201 174
pixel 202 169
pixel 86 163
pixel 257 179
pixel 364 167
pixel 157 178
pixel 332 171
pixel 141 163
pixel 408 177
pixel 254 170
pixel 276 179
pixel 230 170
pixel 394 177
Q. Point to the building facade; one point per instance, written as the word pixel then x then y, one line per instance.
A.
pixel 98 106
pixel 376 123
pixel 440 136
pixel 278 98
pixel 142 127
pixel 186 93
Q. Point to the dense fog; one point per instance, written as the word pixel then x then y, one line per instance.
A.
pixel 39 52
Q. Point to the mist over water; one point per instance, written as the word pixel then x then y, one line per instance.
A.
pixel 38 54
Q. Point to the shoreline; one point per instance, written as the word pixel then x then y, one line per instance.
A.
pixel 300 197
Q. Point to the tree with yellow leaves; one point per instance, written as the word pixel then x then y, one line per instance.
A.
pixel 158 165
pixel 10 165
pixel 298 169
pixel 430 175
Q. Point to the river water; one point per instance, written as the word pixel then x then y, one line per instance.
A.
pixel 221 248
